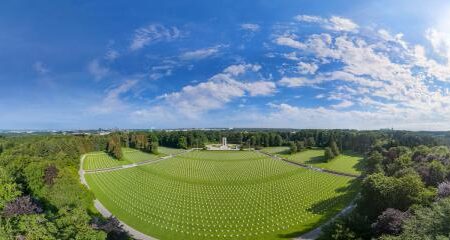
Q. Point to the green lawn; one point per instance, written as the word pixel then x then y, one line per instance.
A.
pixel 276 150
pixel 345 163
pixel 222 195
pixel 169 151
pixel 98 160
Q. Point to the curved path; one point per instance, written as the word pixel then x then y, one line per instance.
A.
pixel 141 236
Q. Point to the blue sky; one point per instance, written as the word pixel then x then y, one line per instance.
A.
pixel 170 64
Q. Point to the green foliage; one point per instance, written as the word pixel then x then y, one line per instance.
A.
pixel 182 143
pixel 9 190
pixel 114 147
pixel 379 192
pixel 22 169
pixel 373 162
pixel 328 154
pixel 74 224
pixel 292 148
pixel 334 148
pixel 437 173
pixel 427 223
pixel 351 226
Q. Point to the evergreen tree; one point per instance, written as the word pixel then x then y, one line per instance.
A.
pixel 292 148
pixel 328 154
pixel 182 142
pixel 334 147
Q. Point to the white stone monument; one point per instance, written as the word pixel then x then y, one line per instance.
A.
pixel 224 144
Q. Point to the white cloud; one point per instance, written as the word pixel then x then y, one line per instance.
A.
pixel 260 88
pixel 112 101
pixel 440 41
pixel 250 27
pixel 307 68
pixel 310 19
pixel 111 55
pixel 193 100
pixel 289 42
pixel 341 24
pixel 153 33
pixel 236 70
pixel 335 23
pixel 343 104
pixel 385 76
pixel 294 82
pixel 97 70
pixel 40 68
pixel 201 53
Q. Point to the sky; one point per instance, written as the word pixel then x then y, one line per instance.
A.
pixel 200 64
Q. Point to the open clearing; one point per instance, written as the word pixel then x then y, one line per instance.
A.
pixel 344 163
pixel 99 160
pixel 222 195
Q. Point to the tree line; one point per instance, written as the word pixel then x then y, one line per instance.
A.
pixel 405 194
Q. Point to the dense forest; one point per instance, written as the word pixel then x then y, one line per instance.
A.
pixel 41 196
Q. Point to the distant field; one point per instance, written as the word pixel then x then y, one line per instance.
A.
pixel 98 160
pixel 345 163
pixel 276 150
pixel 169 151
pixel 222 195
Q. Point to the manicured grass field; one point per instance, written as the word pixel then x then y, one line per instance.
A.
pixel 345 163
pixel 98 160
pixel 222 195
pixel 169 151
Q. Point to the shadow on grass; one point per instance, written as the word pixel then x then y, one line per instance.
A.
pixel 360 165
pixel 316 159
pixel 338 203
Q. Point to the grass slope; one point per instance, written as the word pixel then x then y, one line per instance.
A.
pixel 345 163
pixel 222 195
pixel 98 160
pixel 169 151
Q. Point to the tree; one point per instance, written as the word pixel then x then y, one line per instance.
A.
pixel 427 223
pixel 310 142
pixel 390 222
pixel 328 154
pixel 391 192
pixel 182 142
pixel 373 162
pixel 74 223
pixel 114 147
pixel 21 206
pixel 444 189
pixel 112 227
pixel 9 190
pixel 350 226
pixel 50 173
pixel 300 146
pixel 292 148
pixel 437 173
pixel 278 140
pixel 334 147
